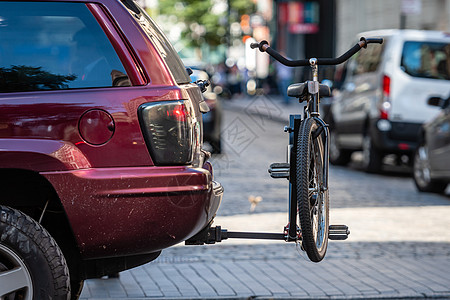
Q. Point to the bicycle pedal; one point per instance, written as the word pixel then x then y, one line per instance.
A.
pixel 279 170
pixel 338 232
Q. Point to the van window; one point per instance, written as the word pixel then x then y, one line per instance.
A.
pixel 367 60
pixel 54 46
pixel 426 60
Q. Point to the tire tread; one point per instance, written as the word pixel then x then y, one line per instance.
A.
pixel 47 245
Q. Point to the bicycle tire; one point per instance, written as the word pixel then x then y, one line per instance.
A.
pixel 312 199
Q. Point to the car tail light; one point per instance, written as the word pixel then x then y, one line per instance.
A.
pixel 168 131
pixel 386 99
pixel 403 146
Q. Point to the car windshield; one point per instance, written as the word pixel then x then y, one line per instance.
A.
pixel 426 60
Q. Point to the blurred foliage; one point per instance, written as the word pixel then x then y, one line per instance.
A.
pixel 202 24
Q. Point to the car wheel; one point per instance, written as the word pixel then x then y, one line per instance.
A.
pixel 338 156
pixel 31 264
pixel 422 173
pixel 372 157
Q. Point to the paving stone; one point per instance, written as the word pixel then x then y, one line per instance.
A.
pixel 167 288
pixel 130 285
pixel 259 275
pixel 206 272
pixel 285 276
pixel 114 288
pixel 238 286
pixel 243 276
pixel 202 286
pixel 146 284
pixel 185 288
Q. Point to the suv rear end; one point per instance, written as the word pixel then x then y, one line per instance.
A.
pixel 100 142
pixel 382 104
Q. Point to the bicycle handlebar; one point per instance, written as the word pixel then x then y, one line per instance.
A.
pixel 263 46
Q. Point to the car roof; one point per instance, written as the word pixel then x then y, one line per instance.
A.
pixel 408 34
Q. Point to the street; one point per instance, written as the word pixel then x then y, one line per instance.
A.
pixel 398 246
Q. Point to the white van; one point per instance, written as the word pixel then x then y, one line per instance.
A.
pixel 382 101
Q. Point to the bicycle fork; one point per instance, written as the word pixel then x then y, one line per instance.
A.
pixel 312 110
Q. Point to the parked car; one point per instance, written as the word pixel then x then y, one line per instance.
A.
pixel 212 120
pixel 432 157
pixel 101 159
pixel 381 104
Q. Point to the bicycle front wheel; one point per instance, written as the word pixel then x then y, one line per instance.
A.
pixel 312 198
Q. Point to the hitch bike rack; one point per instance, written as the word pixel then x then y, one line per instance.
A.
pixel 211 235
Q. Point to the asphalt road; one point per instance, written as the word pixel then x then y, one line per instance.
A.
pixel 399 246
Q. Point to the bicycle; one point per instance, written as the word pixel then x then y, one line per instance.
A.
pixel 306 167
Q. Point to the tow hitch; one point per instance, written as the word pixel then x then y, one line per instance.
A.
pixel 212 235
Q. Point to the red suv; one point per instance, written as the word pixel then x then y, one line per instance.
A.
pixel 101 159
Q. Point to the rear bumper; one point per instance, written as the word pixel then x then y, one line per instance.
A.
pixel 126 211
pixel 402 138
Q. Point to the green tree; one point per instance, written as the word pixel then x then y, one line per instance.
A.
pixel 203 24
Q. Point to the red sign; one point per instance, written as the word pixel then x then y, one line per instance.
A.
pixel 300 17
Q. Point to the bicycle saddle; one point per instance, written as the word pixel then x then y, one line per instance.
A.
pixel 301 89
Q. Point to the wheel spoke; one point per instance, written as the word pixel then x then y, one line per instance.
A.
pixel 13 280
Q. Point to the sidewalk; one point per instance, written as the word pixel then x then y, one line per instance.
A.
pixel 370 266
pixel 350 270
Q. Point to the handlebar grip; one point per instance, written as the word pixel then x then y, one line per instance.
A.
pixel 374 41
pixel 260 45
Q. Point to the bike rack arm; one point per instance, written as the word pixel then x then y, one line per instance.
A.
pixel 212 235
pixel 263 46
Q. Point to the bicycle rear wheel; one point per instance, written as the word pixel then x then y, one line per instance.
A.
pixel 312 199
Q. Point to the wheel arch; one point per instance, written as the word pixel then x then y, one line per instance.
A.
pixel 421 136
pixel 30 192
pixel 367 124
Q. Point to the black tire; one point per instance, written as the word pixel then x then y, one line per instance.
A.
pixel 312 200
pixel 338 156
pixel 422 173
pixel 372 157
pixel 28 248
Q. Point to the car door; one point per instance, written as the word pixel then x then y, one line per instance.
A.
pixel 439 143
pixel 359 89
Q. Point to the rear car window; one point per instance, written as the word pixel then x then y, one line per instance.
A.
pixel 164 47
pixel 55 46
pixel 426 59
